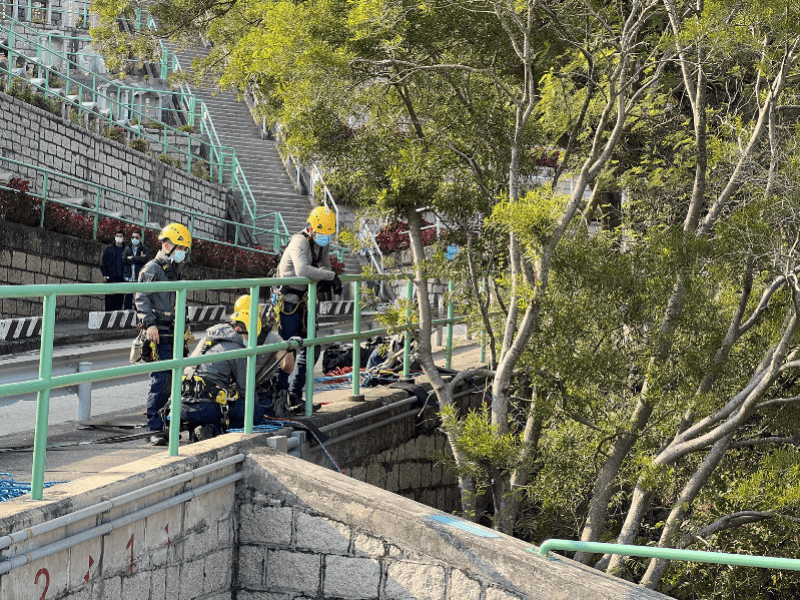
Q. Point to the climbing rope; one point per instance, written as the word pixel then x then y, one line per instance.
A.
pixel 10 489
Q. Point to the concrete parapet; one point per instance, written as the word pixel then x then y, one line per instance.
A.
pixel 352 540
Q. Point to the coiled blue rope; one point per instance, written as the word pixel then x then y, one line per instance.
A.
pixel 10 489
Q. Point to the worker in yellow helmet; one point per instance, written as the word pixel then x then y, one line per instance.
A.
pixel 156 314
pixel 306 255
pixel 213 393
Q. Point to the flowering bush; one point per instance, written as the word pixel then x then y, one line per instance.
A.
pixel 17 206
pixel 548 159
pixel 337 265
pixel 394 237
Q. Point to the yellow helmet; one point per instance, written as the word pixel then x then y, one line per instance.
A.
pixel 242 303
pixel 323 220
pixel 243 317
pixel 177 234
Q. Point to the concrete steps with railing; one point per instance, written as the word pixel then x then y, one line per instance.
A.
pixel 259 158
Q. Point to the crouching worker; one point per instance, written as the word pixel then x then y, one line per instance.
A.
pixel 213 394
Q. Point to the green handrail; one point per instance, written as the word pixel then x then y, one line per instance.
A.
pixel 46 381
pixel 147 205
pixel 218 153
pixel 721 558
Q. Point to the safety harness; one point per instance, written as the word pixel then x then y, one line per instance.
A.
pixel 195 388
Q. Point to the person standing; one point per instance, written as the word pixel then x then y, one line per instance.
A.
pixel 156 314
pixel 133 258
pixel 306 255
pixel 111 266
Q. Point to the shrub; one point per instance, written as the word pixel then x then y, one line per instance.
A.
pixel 17 206
pixel 200 169
pixel 394 237
pixel 337 265
pixel 140 145
pixel 186 128
pixel 166 158
pixel 117 134
pixel 154 125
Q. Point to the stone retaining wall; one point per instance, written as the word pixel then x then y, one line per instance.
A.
pixel 31 255
pixel 66 148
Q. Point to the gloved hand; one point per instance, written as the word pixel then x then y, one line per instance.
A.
pixel 336 285
pixel 298 339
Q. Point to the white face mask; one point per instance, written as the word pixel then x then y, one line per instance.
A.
pixel 135 241
pixel 118 239
pixel 178 256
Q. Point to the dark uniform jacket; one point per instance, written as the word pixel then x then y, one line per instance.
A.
pixel 133 257
pixel 222 373
pixel 158 308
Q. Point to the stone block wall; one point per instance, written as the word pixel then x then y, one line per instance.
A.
pixel 130 175
pixel 30 255
pixel 405 457
pixel 290 550
pixel 415 470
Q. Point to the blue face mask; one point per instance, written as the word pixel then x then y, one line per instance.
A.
pixel 178 256
pixel 323 240
pixel 135 241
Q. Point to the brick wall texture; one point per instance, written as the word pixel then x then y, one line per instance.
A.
pixel 30 255
pixel 289 552
pixel 130 176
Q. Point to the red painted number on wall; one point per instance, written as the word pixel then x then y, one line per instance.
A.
pixel 130 545
pixel 46 574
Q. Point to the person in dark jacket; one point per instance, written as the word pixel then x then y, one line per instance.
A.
pixel 156 314
pixel 134 257
pixel 112 268
pixel 214 392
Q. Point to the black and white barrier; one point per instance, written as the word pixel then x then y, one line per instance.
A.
pixel 20 329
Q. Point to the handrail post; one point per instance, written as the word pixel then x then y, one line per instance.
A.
pixel 252 341
pixel 407 342
pixel 449 351
pixel 311 332
pixel 43 397
pixel 357 395
pixel 96 212
pixel 177 373
pixel 44 199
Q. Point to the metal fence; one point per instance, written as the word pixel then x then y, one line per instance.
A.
pixel 46 381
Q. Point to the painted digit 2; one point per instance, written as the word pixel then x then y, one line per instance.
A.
pixel 46 574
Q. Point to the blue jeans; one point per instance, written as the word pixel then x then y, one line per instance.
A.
pixel 160 388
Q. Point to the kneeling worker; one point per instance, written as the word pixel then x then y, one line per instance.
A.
pixel 213 393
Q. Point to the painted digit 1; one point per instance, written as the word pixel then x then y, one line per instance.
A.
pixel 130 545
pixel 46 574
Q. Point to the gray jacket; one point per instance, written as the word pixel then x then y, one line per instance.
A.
pixel 158 308
pixel 222 372
pixel 303 258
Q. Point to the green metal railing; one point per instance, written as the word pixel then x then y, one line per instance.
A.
pixel 721 558
pixel 46 381
pixel 99 192
pixel 125 115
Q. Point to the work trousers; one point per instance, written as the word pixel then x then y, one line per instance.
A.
pixel 160 388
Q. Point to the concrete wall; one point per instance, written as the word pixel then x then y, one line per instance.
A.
pixel 30 255
pixel 289 530
pixel 307 532
pixel 180 553
pixel 404 456
pixel 66 148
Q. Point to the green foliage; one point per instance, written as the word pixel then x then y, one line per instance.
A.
pixel 140 144
pixel 166 158
pixel 187 128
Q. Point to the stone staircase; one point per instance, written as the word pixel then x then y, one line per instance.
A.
pixel 259 158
